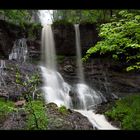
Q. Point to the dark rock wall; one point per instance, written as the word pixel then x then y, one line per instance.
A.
pixel 10 32
pixel 88 35
pixel 64 36
pixel 104 75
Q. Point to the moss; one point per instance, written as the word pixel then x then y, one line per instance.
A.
pixel 127 112
pixel 6 107
pixel 63 110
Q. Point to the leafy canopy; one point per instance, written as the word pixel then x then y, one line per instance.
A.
pixel 16 16
pixel 120 39
pixel 82 16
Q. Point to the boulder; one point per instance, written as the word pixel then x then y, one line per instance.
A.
pixel 20 103
pixel 71 120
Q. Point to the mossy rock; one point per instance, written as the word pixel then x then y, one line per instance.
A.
pixel 52 105
pixel 58 124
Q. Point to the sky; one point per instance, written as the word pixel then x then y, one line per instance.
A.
pixel 45 16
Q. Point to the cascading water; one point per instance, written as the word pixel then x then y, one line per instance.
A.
pixel 88 97
pixel 79 57
pixel 19 51
pixel 2 73
pixel 55 88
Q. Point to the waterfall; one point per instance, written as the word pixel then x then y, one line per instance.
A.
pixel 78 53
pixel 2 73
pixel 55 88
pixel 19 50
pixel 87 96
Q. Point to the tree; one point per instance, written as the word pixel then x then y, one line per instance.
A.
pixel 15 16
pixel 78 16
pixel 121 39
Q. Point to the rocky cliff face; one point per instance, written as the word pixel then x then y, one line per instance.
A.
pixel 88 35
pixel 104 75
pixel 10 32
pixel 64 36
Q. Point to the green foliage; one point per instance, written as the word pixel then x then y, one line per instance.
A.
pixel 16 16
pixel 34 80
pixel 37 119
pixel 30 83
pixel 133 67
pixel 6 107
pixel 32 29
pixel 62 109
pixel 22 18
pixel 120 39
pixel 127 112
pixel 82 16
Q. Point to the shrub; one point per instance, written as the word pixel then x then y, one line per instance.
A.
pixel 37 119
pixel 127 112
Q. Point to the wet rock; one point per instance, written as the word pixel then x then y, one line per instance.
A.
pixel 71 120
pixel 104 75
pixel 52 105
pixel 103 107
pixel 68 68
pixel 20 103
pixel 64 36
pixel 11 32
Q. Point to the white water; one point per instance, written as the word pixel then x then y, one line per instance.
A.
pixel 88 97
pixel 48 48
pixel 2 73
pixel 98 121
pixel 19 50
pixel 57 90
pixel 78 53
